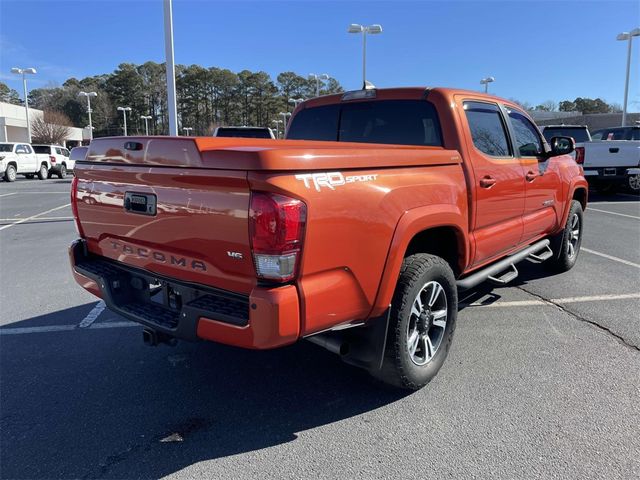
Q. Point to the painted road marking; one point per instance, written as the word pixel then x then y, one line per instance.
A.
pixel 528 303
pixel 64 328
pixel 612 213
pixel 610 257
pixel 45 218
pixel 7 194
pixel 93 315
pixel 613 203
pixel 33 216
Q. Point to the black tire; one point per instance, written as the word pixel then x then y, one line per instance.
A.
pixel 43 172
pixel 400 367
pixel 63 172
pixel 29 176
pixel 50 174
pixel 565 245
pixel 10 174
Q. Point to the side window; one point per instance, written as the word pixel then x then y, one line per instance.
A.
pixel 27 149
pixel 487 128
pixel 59 151
pixel 596 136
pixel 20 149
pixel 65 152
pixel 527 138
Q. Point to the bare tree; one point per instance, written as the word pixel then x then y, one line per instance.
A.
pixel 52 127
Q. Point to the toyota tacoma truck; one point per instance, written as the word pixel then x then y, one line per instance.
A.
pixel 355 232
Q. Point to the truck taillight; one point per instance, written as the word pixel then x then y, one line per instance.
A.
pixel 579 155
pixel 276 228
pixel 52 159
pixel 74 205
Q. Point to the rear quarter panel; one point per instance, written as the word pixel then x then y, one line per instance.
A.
pixel 350 230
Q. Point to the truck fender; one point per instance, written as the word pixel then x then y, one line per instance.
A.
pixel 575 184
pixel 409 225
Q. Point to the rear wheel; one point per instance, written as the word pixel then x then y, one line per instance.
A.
pixel 10 174
pixel 566 244
pixel 43 172
pixel 422 322
pixel 63 172
pixel 633 182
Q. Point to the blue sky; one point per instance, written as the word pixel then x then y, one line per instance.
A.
pixel 536 50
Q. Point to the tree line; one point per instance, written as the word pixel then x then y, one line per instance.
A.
pixel 206 98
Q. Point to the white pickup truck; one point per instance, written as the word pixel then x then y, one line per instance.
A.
pixel 19 158
pixel 609 164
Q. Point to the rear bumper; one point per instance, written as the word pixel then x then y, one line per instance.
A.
pixel 607 174
pixel 267 318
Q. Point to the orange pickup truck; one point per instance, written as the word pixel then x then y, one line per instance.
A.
pixel 355 233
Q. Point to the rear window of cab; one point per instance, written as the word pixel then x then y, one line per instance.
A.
pixel 396 122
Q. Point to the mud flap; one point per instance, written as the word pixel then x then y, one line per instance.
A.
pixel 367 344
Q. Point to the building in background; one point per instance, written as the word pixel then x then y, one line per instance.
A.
pixel 594 121
pixel 13 125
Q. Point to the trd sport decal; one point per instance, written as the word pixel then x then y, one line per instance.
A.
pixel 332 179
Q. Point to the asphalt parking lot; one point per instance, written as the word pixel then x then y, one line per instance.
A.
pixel 542 381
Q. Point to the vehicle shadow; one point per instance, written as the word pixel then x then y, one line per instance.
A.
pixel 97 403
pixel 626 196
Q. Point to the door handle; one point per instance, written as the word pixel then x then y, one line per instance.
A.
pixel 614 150
pixel 530 176
pixel 487 182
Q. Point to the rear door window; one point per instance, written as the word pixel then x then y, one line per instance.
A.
pixel 42 149
pixel 487 127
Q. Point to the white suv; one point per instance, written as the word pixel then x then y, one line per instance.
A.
pixel 57 158
pixel 19 158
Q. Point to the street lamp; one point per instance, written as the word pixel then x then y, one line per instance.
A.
pixel 277 122
pixel 124 111
pixel 146 119
pixel 627 36
pixel 296 101
pixel 371 29
pixel 23 72
pixel 486 82
pixel 317 78
pixel 89 95
pixel 170 69
pixel 187 130
pixel 285 115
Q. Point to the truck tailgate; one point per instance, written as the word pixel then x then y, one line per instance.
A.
pixel 199 230
pixel 611 153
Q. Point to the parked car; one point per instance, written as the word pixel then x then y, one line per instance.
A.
pixel 617 133
pixel 244 132
pixel 610 164
pixel 355 233
pixel 77 153
pixel 57 158
pixel 580 133
pixel 20 159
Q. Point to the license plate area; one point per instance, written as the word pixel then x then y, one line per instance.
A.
pixel 140 203
pixel 609 172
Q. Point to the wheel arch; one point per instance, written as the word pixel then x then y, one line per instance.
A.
pixel 436 229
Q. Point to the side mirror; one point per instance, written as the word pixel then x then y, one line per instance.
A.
pixel 562 146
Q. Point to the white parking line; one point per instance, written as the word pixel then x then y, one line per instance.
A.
pixel 64 328
pixel 36 193
pixel 589 209
pixel 45 218
pixel 610 257
pixel 33 216
pixel 613 203
pixel 528 303
pixel 93 315
pixel 7 194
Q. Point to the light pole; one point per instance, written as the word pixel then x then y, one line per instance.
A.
pixel 364 30
pixel 187 130
pixel 170 70
pixel 296 101
pixel 146 119
pixel 89 95
pixel 277 122
pixel 285 115
pixel 124 111
pixel 629 37
pixel 23 72
pixel 317 78
pixel 486 82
